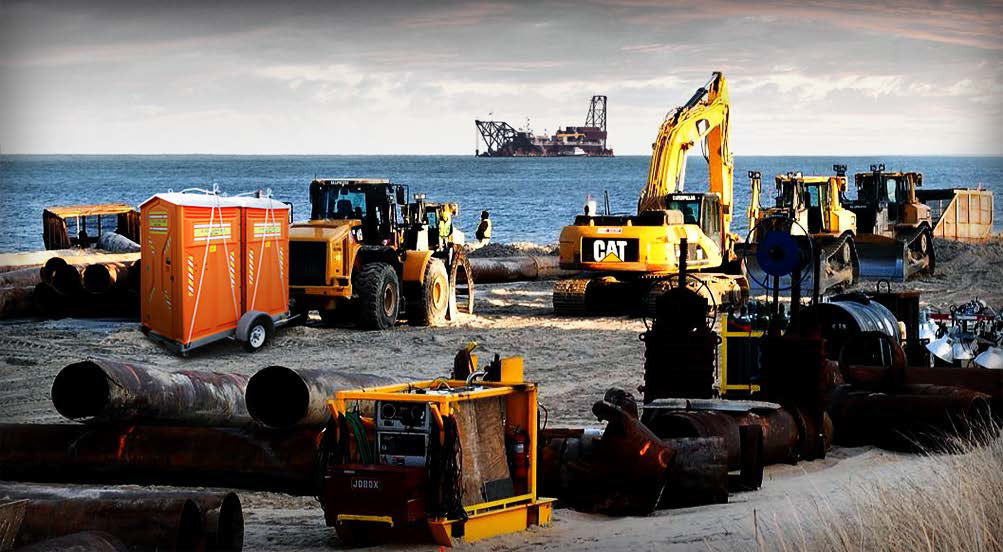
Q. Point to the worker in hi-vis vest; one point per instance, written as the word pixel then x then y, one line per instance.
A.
pixel 483 233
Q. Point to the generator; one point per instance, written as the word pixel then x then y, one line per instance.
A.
pixel 434 461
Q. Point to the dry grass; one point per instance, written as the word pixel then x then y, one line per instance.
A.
pixel 950 502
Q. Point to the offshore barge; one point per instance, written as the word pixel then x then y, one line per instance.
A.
pixel 589 140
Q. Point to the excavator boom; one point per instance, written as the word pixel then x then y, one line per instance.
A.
pixel 704 116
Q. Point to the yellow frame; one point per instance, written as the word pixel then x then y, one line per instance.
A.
pixel 486 519
pixel 723 386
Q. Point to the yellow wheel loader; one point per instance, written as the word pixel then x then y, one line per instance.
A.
pixel 631 257
pixel 894 229
pixel 369 257
pixel 813 205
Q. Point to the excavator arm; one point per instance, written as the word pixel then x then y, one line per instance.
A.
pixel 704 116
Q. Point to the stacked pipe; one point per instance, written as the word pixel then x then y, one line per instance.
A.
pixel 901 407
pixel 164 520
pixel 105 288
pixel 144 425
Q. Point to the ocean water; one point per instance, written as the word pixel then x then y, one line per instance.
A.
pixel 529 198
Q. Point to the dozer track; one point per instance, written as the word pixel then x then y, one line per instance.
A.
pixel 898 259
pixel 839 268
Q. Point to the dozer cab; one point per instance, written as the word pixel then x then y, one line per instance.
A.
pixel 368 256
pixel 632 257
pixel 807 205
pixel 894 231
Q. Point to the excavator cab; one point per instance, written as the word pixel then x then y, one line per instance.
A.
pixel 703 210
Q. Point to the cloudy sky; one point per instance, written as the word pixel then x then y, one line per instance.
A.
pixel 827 77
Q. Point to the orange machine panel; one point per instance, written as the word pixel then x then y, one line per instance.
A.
pixel 266 257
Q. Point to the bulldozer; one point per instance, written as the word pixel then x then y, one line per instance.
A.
pixel 631 258
pixel 894 236
pixel 808 206
pixel 368 256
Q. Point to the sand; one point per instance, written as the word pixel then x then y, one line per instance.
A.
pixel 574 360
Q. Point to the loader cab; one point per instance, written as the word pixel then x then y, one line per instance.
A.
pixel 374 202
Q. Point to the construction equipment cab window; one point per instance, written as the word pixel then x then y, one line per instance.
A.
pixel 367 203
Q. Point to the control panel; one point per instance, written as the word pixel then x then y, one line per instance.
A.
pixel 402 433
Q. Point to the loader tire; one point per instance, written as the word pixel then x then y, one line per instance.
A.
pixel 378 290
pixel 429 308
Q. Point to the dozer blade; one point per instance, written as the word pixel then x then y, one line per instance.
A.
pixel 840 268
pixel 608 296
pixel 895 259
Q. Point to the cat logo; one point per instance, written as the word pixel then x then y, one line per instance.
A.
pixel 604 250
pixel 609 250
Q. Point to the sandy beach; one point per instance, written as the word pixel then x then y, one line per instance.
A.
pixel 574 361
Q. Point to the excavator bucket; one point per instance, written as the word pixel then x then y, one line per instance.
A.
pixel 839 268
pixel 895 259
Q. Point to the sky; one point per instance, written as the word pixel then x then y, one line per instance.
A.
pixel 806 78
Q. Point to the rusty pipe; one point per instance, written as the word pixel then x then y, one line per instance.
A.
pixel 84 541
pixel 493 270
pixel 982 380
pixel 221 516
pixel 68 279
pixel 929 417
pixel 139 519
pixel 241 458
pixel 16 301
pixel 108 391
pixel 101 277
pixel 280 397
pixel 20 278
pixel 699 473
pixel 679 424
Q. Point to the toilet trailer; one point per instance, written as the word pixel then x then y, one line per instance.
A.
pixel 213 267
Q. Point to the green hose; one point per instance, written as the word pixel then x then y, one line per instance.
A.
pixel 354 422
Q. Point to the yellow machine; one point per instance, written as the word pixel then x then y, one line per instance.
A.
pixel 365 253
pixel 441 460
pixel 633 255
pixel 894 228
pixel 808 205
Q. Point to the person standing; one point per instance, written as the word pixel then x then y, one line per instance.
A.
pixel 483 233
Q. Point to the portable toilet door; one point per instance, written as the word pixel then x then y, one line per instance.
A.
pixel 194 294
pixel 266 256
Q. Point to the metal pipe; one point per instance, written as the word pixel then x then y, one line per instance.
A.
pixel 492 270
pixel 221 517
pixel 16 301
pixel 117 243
pixel 108 391
pixel 100 277
pixel 21 278
pixel 84 541
pixel 699 473
pixel 281 397
pixel 240 458
pixel 679 424
pixel 928 416
pixel 68 279
pixel 138 518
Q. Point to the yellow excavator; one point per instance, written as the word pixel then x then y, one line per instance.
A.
pixel 631 258
pixel 807 206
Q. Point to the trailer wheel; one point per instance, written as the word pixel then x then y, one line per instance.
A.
pixel 258 334
pixel 378 291
pixel 429 308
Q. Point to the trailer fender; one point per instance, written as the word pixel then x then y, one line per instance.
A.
pixel 244 325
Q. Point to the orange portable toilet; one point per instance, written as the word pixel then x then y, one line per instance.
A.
pixel 213 267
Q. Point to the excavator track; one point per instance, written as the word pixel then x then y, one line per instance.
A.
pixel 569 296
